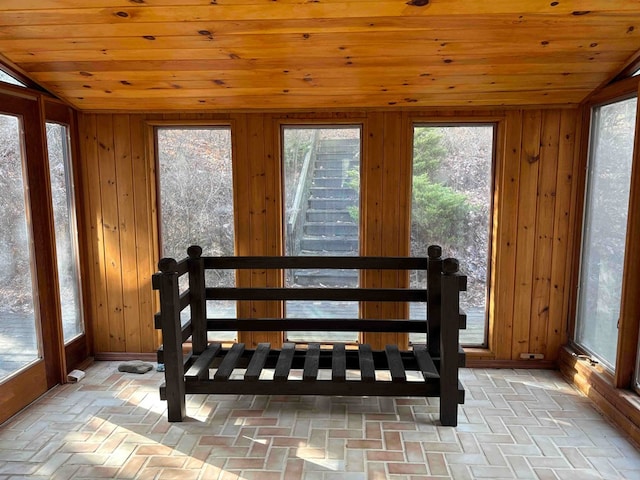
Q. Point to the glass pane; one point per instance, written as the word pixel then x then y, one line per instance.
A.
pixel 451 207
pixel 196 203
pixel 64 219
pixel 322 204
pixel 605 229
pixel 6 78
pixel 19 344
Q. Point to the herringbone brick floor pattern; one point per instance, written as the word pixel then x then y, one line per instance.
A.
pixel 521 424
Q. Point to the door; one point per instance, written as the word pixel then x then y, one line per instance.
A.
pixel 30 355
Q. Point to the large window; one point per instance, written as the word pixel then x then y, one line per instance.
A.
pixel 451 207
pixel 605 229
pixel 196 201
pixel 62 195
pixel 322 192
pixel 19 332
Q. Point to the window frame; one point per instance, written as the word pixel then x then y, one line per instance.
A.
pixel 629 326
pixel 496 125
pixel 355 123
pixel 590 148
pixel 153 128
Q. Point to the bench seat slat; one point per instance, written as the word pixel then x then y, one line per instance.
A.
pixel 283 367
pixel 425 362
pixel 396 366
pixel 229 362
pixel 311 363
pixel 256 364
pixel 367 366
pixel 200 368
pixel 339 363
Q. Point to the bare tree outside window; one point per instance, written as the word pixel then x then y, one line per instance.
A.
pixel 19 342
pixel 196 202
pixel 61 178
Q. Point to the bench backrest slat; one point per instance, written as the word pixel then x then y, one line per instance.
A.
pixel 337 294
pixel 313 324
pixel 330 262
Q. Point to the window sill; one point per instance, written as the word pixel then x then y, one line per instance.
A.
pixel 621 406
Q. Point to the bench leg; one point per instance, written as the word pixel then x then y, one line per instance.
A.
pixel 175 392
pixel 176 405
pixel 449 410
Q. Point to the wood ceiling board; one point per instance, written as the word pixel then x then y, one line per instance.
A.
pixel 168 54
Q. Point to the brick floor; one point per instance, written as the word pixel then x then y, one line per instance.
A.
pixel 527 424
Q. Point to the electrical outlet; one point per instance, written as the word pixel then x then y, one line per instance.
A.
pixel 531 356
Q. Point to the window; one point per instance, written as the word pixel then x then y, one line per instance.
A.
pixel 605 229
pixel 196 201
pixel 6 78
pixel 322 204
pixel 451 207
pixel 19 333
pixel 62 195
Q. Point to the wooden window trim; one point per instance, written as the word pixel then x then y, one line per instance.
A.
pixel 629 323
pixel 80 349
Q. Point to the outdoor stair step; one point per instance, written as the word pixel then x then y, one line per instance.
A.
pixel 329 182
pixel 330 278
pixel 333 192
pixel 331 203
pixel 328 215
pixel 337 162
pixel 329 244
pixel 342 147
pixel 329 173
pixel 327 228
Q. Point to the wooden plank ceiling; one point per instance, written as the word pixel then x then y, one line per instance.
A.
pixel 145 55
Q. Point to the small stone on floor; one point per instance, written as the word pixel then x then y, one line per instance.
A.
pixel 135 366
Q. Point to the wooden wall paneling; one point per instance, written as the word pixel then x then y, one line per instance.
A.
pixel 257 210
pixel 273 213
pixel 241 202
pixel 122 145
pixel 527 201
pixel 241 195
pixel 110 227
pixel 505 231
pixel 392 218
pixel 404 163
pixel 254 212
pixel 146 253
pixel 629 326
pixel 561 256
pixel 371 226
pixel 546 205
pixel 95 234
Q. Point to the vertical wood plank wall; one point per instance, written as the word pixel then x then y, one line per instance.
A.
pixel 535 168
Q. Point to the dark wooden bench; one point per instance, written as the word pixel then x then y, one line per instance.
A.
pixel 195 366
